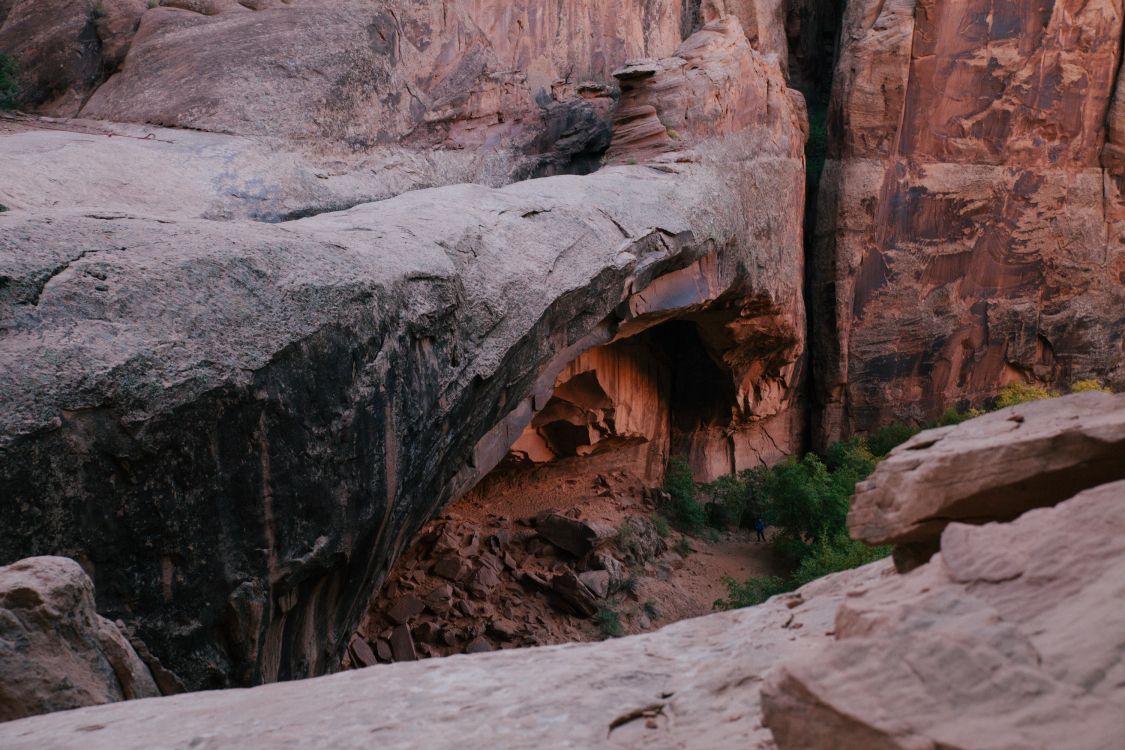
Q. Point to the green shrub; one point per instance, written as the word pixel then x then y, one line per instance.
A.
pixel 1021 393
pixel 730 498
pixel 683 511
pixel 609 622
pixel 808 500
pixel 1083 386
pixel 953 416
pixel 887 438
pixel 834 555
pixel 651 610
pixel 753 591
pixel 9 81
pixel 630 586
pixel 683 547
pixel 802 499
pixel 660 523
pixel 629 542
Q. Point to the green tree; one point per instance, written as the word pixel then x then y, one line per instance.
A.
pixel 683 510
pixel 9 81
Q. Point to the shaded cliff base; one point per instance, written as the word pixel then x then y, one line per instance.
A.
pixel 1008 637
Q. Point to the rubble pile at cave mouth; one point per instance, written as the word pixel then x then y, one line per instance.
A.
pixel 598 564
pixel 562 541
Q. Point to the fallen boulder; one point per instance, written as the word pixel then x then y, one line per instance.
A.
pixel 576 536
pixel 992 468
pixel 56 652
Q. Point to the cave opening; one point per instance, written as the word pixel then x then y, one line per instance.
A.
pixel 562 541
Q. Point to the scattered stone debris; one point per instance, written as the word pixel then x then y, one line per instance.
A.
pixel 520 582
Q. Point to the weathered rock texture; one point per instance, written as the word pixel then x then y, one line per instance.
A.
pixel 995 467
pixel 1011 637
pixel 528 82
pixel 969 230
pixel 236 427
pixel 56 652
pixel 692 684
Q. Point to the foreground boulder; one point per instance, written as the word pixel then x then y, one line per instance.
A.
pixel 994 467
pixel 693 684
pixel 238 426
pixel 1011 637
pixel 56 652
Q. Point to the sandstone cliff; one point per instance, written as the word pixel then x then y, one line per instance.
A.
pixel 237 426
pixel 969 231
pixel 485 91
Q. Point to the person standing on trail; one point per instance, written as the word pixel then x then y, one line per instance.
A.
pixel 760 530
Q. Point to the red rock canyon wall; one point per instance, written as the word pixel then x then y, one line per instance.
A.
pixel 969 227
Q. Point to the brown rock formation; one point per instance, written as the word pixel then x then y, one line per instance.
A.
pixel 56 652
pixel 276 410
pixel 968 226
pixel 995 467
pixel 710 87
pixel 1010 637
pixel 528 83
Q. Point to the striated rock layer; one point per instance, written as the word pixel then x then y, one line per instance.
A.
pixel 525 87
pixel 970 222
pixel 236 427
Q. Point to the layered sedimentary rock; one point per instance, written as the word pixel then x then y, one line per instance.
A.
pixel 236 426
pixel 56 652
pixel 969 229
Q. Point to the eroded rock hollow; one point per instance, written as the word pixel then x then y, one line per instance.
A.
pixel 237 474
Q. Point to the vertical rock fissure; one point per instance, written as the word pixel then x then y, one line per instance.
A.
pixel 813 76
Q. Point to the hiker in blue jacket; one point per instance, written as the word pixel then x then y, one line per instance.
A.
pixel 760 529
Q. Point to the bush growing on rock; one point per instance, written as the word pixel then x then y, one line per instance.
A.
pixel 1021 393
pixel 1083 386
